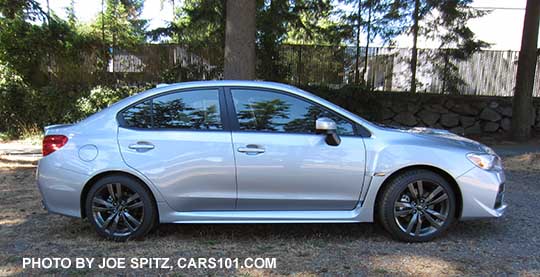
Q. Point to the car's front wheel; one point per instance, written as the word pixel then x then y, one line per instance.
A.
pixel 417 206
pixel 120 208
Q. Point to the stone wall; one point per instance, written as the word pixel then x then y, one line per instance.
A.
pixel 466 115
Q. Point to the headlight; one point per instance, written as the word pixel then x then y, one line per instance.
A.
pixel 485 161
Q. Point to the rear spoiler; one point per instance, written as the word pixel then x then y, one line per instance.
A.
pixel 56 126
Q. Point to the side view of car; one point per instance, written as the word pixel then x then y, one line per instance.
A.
pixel 260 152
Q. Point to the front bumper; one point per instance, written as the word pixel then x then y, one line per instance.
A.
pixel 482 193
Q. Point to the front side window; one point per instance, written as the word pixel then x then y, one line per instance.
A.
pixel 258 110
pixel 193 110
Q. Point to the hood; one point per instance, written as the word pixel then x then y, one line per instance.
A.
pixel 442 137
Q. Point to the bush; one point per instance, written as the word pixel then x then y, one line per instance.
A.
pixel 13 92
pixel 25 110
pixel 101 97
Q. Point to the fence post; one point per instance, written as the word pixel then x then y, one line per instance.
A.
pixel 299 66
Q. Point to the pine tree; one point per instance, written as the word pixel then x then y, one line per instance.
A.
pixel 440 20
pixel 70 11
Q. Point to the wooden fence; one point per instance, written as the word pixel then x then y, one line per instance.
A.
pixel 485 73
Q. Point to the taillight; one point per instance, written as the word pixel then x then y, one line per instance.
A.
pixel 52 143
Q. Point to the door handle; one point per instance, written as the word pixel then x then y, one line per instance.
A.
pixel 141 146
pixel 251 149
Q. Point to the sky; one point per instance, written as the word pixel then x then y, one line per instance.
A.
pixel 502 27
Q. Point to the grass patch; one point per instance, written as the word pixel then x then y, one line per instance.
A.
pixel 28 134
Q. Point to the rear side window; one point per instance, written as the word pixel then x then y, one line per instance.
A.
pixel 139 116
pixel 190 110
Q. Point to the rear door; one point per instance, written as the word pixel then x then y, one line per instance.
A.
pixel 181 142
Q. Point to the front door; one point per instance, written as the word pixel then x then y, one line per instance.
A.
pixel 282 164
pixel 179 142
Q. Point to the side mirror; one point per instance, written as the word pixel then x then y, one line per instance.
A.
pixel 327 126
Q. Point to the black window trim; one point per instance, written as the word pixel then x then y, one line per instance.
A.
pixel 223 110
pixel 359 130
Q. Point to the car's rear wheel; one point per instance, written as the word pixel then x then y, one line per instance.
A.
pixel 120 208
pixel 417 206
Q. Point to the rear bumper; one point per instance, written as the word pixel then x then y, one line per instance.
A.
pixel 482 193
pixel 60 189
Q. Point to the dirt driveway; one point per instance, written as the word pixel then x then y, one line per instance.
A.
pixel 510 245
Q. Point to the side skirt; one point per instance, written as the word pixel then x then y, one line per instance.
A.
pixel 167 215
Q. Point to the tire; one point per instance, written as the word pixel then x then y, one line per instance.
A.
pixel 413 217
pixel 119 217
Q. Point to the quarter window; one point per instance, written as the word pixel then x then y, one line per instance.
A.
pixel 194 110
pixel 277 112
pixel 139 116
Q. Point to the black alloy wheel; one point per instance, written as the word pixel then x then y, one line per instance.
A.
pixel 120 208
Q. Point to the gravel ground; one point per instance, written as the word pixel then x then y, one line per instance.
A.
pixel 510 245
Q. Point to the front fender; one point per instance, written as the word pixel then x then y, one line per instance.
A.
pixel 384 158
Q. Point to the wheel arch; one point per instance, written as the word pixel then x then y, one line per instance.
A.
pixel 101 175
pixel 453 183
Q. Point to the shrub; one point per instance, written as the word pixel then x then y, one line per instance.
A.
pixel 101 97
pixel 13 92
pixel 25 110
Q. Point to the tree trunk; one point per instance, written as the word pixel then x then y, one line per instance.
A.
pixel 414 55
pixel 366 58
pixel 48 12
pixel 522 101
pixel 240 40
pixel 49 62
pixel 105 50
pixel 358 26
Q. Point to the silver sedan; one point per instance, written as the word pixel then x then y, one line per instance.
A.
pixel 260 152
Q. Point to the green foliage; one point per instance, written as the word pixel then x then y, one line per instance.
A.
pixel 379 19
pixel 117 26
pixel 12 94
pixel 4 137
pixel 277 20
pixel 21 9
pixel 43 54
pixel 438 20
pixel 70 11
pixel 199 26
pixel 41 77
pixel 191 72
pixel 46 62
pixel 457 40
pixel 101 97
pixel 24 54
pixel 24 110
